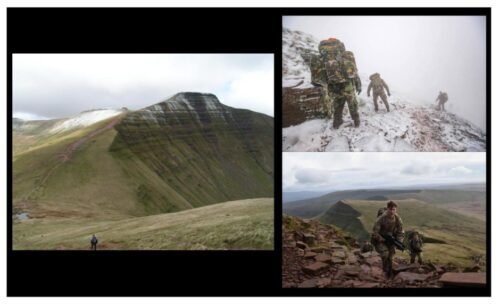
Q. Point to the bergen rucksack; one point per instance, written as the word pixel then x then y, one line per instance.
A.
pixel 381 211
pixel 332 56
pixel 444 97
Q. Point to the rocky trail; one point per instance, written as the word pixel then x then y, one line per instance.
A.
pixel 318 256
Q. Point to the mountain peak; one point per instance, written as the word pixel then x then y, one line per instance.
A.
pixel 195 102
pixel 193 95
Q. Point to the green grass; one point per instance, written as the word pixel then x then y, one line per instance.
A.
pixel 463 236
pixel 243 224
pixel 204 163
pixel 468 202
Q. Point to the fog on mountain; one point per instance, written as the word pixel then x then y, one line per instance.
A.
pixel 418 56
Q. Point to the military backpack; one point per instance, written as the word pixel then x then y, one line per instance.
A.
pixel 339 65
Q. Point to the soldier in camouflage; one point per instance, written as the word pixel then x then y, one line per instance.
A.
pixel 378 85
pixel 336 72
pixel 415 247
pixel 367 247
pixel 389 223
pixel 442 98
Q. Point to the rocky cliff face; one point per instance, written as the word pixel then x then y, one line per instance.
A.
pixel 206 151
pixel 320 256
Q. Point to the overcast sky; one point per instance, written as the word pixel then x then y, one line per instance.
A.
pixel 61 85
pixel 360 170
pixel 416 55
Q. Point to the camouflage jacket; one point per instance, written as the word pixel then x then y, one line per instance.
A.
pixel 387 226
pixel 378 85
pixel 442 97
pixel 415 245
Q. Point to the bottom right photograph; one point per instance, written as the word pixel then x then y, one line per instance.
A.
pixel 384 220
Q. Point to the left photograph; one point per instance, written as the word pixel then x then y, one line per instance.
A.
pixel 142 152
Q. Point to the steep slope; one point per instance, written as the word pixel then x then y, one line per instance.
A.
pixel 186 152
pixel 459 237
pixel 345 217
pixel 409 126
pixel 203 150
pixel 74 176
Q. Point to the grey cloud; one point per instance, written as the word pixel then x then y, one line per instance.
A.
pixel 61 85
pixel 307 176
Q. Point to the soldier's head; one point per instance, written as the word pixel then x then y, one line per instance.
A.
pixel 391 208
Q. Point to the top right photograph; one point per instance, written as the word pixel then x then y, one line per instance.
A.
pixel 384 83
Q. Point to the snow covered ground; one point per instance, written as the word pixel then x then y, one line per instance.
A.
pixel 409 126
pixel 405 128
pixel 85 118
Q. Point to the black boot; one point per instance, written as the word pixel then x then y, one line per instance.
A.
pixel 356 120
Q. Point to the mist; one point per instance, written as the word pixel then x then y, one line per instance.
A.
pixel 417 56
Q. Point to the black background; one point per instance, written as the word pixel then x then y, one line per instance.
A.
pixel 176 273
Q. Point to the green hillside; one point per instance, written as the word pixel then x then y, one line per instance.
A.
pixel 174 156
pixel 456 237
pixel 243 224
pixel 309 208
pixel 216 154
pixel 469 202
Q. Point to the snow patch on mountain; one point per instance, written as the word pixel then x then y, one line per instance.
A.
pixel 410 125
pixel 84 119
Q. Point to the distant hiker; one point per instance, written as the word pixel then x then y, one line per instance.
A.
pixel 367 247
pixel 335 70
pixel 93 242
pixel 378 85
pixel 442 98
pixel 415 246
pixel 390 225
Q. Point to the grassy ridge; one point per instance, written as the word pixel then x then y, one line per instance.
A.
pixel 463 236
pixel 243 224
pixel 470 202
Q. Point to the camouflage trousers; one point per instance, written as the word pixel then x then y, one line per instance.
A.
pixel 386 254
pixel 326 103
pixel 381 94
pixel 339 95
pixel 415 254
pixel 441 106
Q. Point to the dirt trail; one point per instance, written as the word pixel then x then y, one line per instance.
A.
pixel 70 149
pixel 67 154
